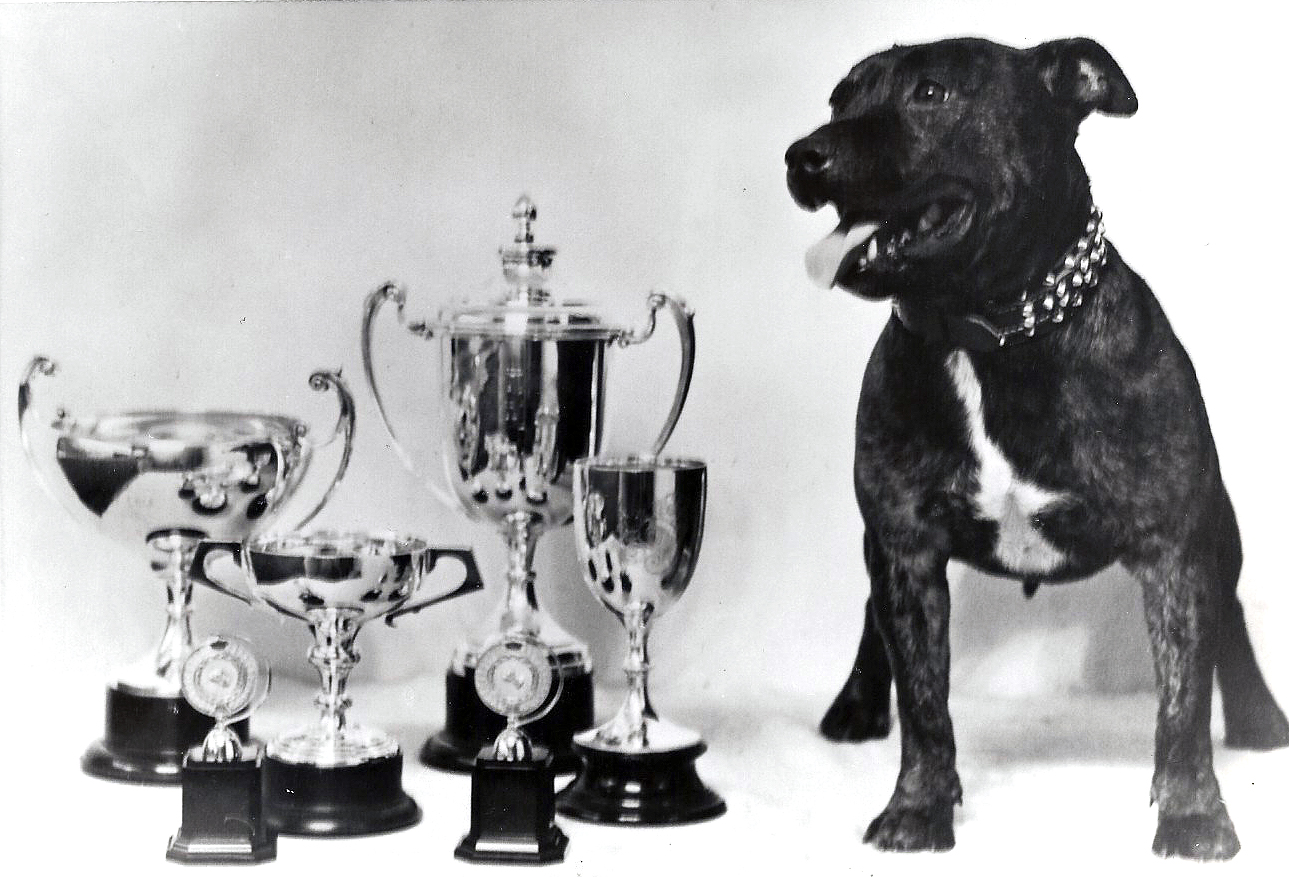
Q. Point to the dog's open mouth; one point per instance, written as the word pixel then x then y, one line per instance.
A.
pixel 861 246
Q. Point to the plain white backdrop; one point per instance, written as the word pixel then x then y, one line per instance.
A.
pixel 194 199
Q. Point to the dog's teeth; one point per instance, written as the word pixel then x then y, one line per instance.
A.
pixel 872 249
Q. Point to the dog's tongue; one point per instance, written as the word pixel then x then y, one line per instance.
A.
pixel 824 259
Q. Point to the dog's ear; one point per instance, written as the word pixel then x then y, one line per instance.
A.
pixel 1081 75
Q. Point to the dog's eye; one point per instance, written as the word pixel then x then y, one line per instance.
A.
pixel 928 91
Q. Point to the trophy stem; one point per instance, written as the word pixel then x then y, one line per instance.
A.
pixel 637 706
pixel 334 655
pixel 176 640
pixel 520 606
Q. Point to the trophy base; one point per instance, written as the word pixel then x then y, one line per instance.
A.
pixel 650 788
pixel 312 801
pixel 512 812
pixel 471 726
pixel 223 821
pixel 146 737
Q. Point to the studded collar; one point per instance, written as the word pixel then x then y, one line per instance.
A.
pixel 1035 312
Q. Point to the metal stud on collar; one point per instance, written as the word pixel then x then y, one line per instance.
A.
pixel 1062 290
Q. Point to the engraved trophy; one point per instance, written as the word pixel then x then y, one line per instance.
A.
pixel 523 396
pixel 162 481
pixel 512 797
pixel 334 777
pixel 638 528
pixel 223 818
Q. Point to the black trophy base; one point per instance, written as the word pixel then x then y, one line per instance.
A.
pixel 471 726
pixel 145 738
pixel 512 812
pixel 368 798
pixel 223 821
pixel 656 788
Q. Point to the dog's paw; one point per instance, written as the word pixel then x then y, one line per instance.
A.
pixel 1205 836
pixel 909 829
pixel 1261 730
pixel 850 719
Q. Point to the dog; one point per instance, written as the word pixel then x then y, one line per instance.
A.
pixel 1027 410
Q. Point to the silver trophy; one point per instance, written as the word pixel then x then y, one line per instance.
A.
pixel 164 480
pixel 333 776
pixel 223 818
pixel 638 525
pixel 523 396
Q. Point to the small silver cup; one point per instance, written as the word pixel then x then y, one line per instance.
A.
pixel 333 776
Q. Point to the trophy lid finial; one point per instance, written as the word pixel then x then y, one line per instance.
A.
pixel 524 213
pixel 524 264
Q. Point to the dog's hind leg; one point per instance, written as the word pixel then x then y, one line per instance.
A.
pixel 1181 586
pixel 910 602
pixel 1252 718
pixel 862 709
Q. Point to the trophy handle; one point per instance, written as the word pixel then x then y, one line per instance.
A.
pixel 29 416
pixel 40 435
pixel 322 381
pixel 684 318
pixel 371 306
pixel 39 365
pixel 473 581
pixel 201 555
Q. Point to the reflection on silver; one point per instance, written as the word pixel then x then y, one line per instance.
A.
pixel 334 582
pixel 524 384
pixel 225 679
pixel 167 479
pixel 638 525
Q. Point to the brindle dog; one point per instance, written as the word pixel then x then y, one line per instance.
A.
pixel 1027 410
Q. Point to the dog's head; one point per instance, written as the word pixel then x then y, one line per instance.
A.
pixel 952 165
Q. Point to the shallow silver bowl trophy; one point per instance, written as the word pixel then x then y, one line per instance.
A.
pixel 223 817
pixel 333 777
pixel 523 396
pixel 638 529
pixel 162 481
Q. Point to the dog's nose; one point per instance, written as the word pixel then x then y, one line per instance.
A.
pixel 806 156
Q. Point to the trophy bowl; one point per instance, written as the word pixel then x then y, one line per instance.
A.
pixel 638 528
pixel 162 481
pixel 523 395
pixel 334 777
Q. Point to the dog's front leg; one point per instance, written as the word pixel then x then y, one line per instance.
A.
pixel 910 599
pixel 1182 604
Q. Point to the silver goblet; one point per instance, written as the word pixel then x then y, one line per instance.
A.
pixel 523 395
pixel 164 480
pixel 333 776
pixel 638 526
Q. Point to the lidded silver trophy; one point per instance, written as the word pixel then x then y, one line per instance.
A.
pixel 638 528
pixel 163 480
pixel 523 395
pixel 334 777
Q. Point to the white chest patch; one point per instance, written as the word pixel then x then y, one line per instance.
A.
pixel 1001 496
